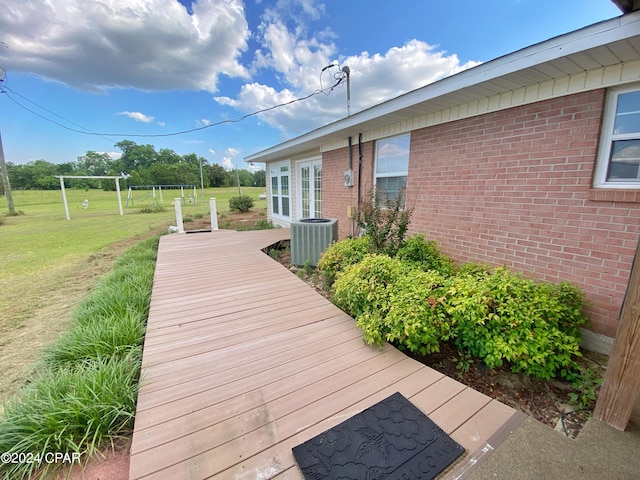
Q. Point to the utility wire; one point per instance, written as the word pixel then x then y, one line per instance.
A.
pixel 86 131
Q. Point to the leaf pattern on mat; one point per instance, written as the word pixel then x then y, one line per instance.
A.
pixel 376 439
pixel 377 473
pixel 318 470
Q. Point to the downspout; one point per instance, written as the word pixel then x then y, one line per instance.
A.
pixel 359 170
pixel 350 168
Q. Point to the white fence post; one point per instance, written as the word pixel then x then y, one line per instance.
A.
pixel 214 214
pixel 177 203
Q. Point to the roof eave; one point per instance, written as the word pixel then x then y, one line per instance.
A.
pixel 627 6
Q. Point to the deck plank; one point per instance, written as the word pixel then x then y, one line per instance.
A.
pixel 243 361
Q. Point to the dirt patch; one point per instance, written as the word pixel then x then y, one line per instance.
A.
pixel 227 221
pixel 547 401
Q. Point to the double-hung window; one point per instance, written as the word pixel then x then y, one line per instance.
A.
pixel 392 166
pixel 280 195
pixel 619 156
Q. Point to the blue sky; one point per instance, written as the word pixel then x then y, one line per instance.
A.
pixel 157 67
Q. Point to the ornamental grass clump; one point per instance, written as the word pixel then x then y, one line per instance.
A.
pixel 84 394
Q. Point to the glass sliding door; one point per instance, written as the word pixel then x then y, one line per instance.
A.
pixel 310 189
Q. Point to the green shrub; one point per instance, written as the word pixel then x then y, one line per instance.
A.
pixel 384 220
pixel 502 317
pixel 364 291
pixel 342 254
pixel 418 299
pixel 425 254
pixel 392 301
pixel 241 204
pixel 157 208
pixel 416 318
pixel 478 270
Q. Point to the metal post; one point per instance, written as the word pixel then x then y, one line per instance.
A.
pixel 347 72
pixel 177 203
pixel 201 179
pixel 64 197
pixel 118 192
pixel 214 214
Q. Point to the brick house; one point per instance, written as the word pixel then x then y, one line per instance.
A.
pixel 531 160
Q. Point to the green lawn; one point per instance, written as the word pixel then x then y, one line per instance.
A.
pixel 41 247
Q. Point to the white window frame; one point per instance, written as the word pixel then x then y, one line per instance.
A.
pixel 275 171
pixel 311 163
pixel 607 137
pixel 391 174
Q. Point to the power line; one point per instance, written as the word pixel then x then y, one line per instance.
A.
pixel 86 131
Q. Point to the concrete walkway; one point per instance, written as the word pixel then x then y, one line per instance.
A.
pixel 537 452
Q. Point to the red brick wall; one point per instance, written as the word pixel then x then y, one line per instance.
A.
pixel 336 198
pixel 513 188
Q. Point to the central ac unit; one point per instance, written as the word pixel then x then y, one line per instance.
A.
pixel 310 237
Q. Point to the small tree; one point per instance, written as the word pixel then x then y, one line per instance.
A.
pixel 384 220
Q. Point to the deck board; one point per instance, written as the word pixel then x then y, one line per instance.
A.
pixel 243 361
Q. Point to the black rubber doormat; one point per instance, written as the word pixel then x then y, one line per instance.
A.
pixel 391 439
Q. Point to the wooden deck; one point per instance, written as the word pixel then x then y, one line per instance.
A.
pixel 243 361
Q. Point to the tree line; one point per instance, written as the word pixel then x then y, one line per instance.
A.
pixel 141 164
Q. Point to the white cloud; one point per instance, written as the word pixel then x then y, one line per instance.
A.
pixel 212 151
pixel 145 44
pixel 158 45
pixel 138 116
pixel 227 163
pixel 232 152
pixel 298 59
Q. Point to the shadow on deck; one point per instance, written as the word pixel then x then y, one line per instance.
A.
pixel 243 361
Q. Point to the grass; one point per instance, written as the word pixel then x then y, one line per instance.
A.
pixel 85 391
pixel 42 244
